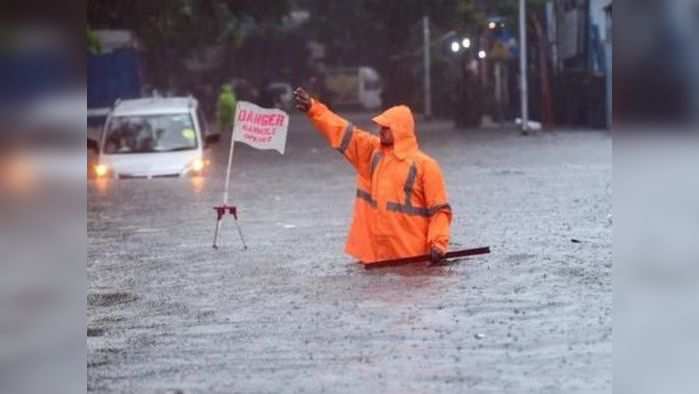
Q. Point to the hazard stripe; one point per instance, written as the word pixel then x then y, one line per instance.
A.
pixel 416 211
pixel 438 208
pixel 407 207
pixel 366 196
pixel 346 138
pixel 409 184
pixel 375 160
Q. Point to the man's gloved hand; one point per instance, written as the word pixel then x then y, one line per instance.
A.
pixel 436 256
pixel 302 100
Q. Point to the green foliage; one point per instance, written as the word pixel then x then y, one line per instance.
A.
pixel 226 108
pixel 94 45
pixel 174 30
pixel 158 22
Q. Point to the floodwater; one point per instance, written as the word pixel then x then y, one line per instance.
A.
pixel 168 314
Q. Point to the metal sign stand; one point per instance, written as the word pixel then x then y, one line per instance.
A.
pixel 224 208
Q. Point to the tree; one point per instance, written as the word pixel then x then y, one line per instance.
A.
pixel 385 34
pixel 94 45
pixel 173 30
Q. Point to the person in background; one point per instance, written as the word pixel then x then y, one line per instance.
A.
pixel 225 108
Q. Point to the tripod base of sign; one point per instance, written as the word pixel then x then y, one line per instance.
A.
pixel 221 211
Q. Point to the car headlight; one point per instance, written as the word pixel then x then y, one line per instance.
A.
pixel 101 170
pixel 197 165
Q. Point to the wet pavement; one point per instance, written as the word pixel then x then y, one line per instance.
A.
pixel 168 314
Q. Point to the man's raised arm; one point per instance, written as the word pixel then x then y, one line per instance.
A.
pixel 356 145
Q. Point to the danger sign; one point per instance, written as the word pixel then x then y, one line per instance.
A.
pixel 259 127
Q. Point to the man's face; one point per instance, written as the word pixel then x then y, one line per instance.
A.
pixel 386 136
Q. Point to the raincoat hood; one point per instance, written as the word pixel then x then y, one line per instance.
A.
pixel 400 120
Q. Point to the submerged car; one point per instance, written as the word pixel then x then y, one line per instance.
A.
pixel 152 138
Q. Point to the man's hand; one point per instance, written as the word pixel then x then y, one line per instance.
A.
pixel 436 256
pixel 302 100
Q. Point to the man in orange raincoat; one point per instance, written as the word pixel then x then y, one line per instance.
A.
pixel 401 209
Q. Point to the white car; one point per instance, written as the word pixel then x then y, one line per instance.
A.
pixel 152 138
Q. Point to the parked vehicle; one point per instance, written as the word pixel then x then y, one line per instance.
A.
pixel 354 86
pixel 153 137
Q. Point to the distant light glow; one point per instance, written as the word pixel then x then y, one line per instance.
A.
pixel 481 54
pixel 455 46
pixel 466 43
pixel 492 25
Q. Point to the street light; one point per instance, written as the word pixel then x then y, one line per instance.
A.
pixel 466 43
pixel 455 46
pixel 492 25
pixel 481 54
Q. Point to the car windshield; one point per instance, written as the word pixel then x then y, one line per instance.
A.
pixel 150 133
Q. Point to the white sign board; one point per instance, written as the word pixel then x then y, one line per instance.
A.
pixel 259 127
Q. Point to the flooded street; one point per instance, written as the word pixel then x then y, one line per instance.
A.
pixel 166 313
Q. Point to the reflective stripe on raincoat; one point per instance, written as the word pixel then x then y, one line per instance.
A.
pixel 401 206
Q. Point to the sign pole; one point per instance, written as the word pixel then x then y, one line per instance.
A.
pixel 219 223
pixel 524 89
pixel 228 170
pixel 221 210
pixel 426 65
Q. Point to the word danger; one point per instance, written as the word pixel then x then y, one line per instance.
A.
pixel 261 120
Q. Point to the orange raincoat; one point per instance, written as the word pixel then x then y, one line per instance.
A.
pixel 401 209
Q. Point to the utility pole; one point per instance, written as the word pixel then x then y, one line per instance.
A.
pixel 523 64
pixel 426 53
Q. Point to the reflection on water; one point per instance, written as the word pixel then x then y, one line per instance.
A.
pixel 102 185
pixel 198 183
